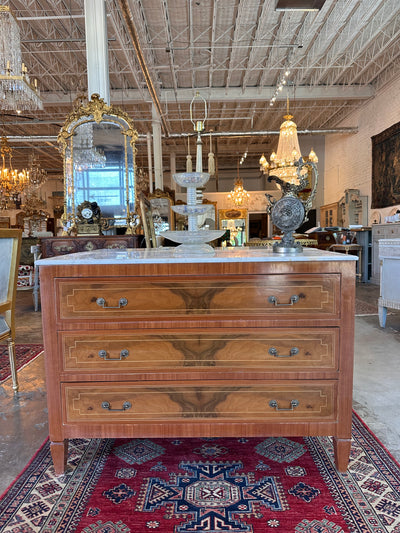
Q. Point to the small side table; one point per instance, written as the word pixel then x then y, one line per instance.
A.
pixel 352 249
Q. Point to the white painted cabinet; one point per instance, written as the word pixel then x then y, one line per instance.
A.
pixel 389 257
pixel 381 231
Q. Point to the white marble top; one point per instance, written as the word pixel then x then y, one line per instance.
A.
pixel 167 255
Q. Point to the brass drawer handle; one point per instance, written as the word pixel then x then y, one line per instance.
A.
pixel 121 303
pixel 293 351
pixel 125 406
pixel 293 404
pixel 274 300
pixel 123 353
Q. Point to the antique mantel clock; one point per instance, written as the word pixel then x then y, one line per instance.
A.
pixel 88 219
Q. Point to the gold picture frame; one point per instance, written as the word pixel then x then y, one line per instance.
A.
pixel 146 217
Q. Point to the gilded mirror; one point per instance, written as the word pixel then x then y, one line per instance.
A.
pixel 234 220
pixel 98 146
pixel 161 207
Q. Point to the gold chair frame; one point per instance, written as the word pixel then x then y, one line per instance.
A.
pixel 10 258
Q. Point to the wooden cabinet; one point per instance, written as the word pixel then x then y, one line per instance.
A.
pixel 209 347
pixel 329 214
pixel 52 246
pixel 381 231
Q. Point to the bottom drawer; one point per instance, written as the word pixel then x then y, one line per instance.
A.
pixel 124 402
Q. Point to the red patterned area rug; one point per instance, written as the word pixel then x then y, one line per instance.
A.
pixel 216 485
pixel 24 354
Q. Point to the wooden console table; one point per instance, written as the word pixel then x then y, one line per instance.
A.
pixel 141 343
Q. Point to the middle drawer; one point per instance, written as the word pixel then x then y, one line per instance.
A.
pixel 272 349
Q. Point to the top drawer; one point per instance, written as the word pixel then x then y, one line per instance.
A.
pixel 300 296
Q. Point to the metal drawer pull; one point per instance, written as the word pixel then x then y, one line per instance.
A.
pixel 293 404
pixel 123 353
pixel 125 406
pixel 121 303
pixel 273 351
pixel 274 300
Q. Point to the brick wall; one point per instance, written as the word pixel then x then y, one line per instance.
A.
pixel 348 157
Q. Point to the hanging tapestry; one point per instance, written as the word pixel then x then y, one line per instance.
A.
pixel 386 168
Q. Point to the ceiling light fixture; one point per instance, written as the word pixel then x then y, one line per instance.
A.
pixel 17 92
pixel 239 196
pixel 37 175
pixel 13 182
pixel 283 163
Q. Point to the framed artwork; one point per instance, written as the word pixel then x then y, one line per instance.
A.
pixel 386 168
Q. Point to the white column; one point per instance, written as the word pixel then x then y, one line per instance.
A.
pixel 97 49
pixel 172 165
pixel 150 162
pixel 157 149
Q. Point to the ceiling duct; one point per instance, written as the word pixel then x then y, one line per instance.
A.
pixel 299 5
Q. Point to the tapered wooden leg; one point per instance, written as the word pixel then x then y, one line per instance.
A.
pixel 13 364
pixel 341 449
pixel 59 452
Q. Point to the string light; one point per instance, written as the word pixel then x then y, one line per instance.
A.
pixel 279 88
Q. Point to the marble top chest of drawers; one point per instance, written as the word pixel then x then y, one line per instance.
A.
pixel 244 343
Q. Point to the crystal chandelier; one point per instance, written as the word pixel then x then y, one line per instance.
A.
pixel 239 196
pixel 17 92
pixel 85 154
pixel 12 182
pixel 283 162
pixel 37 176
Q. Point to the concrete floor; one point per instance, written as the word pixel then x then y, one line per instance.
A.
pixel 376 395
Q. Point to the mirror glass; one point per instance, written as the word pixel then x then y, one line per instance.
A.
pixel 161 207
pixel 235 221
pixel 99 163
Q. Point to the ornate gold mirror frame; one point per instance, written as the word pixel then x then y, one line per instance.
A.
pixel 146 216
pixel 91 119
pixel 161 206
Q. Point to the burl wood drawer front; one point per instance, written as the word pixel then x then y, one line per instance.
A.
pixel 120 402
pixel 308 294
pixel 276 349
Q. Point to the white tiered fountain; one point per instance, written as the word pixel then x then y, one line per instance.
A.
pixel 193 240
